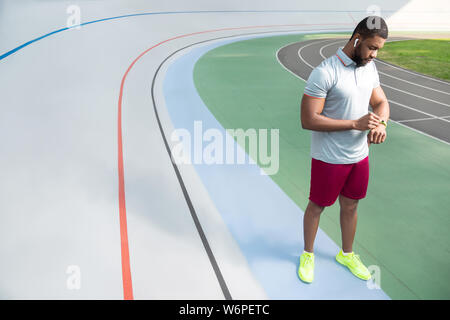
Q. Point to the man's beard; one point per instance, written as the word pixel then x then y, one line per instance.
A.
pixel 357 58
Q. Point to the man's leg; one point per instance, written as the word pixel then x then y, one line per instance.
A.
pixel 311 224
pixel 348 217
pixel 348 229
pixel 355 188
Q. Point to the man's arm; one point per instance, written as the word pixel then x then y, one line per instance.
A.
pixel 379 103
pixel 312 119
pixel 380 106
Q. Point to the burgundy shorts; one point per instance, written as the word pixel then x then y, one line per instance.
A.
pixel 328 180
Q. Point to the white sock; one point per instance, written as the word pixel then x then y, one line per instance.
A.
pixel 346 253
pixel 308 252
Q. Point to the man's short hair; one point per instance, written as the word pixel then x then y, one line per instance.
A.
pixel 371 26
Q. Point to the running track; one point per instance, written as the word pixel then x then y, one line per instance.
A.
pixel 50 202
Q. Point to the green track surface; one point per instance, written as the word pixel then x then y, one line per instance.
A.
pixel 403 224
pixel 430 56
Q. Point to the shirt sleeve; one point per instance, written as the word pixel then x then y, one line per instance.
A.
pixel 319 82
pixel 376 77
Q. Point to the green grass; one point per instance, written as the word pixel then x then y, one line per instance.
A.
pixel 431 57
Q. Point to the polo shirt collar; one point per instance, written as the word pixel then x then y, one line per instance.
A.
pixel 346 61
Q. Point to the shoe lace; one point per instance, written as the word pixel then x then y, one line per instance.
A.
pixel 357 260
pixel 308 259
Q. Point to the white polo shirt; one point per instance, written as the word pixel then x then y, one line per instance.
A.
pixel 347 91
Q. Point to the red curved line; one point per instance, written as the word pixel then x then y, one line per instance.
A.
pixel 125 253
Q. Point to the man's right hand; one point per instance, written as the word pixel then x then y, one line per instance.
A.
pixel 367 122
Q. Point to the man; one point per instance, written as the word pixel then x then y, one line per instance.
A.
pixel 335 106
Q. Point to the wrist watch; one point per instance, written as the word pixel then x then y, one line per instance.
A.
pixel 384 123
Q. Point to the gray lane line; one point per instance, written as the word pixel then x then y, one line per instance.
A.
pixel 194 216
pixel 282 55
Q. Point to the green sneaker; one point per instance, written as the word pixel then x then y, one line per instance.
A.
pixel 353 262
pixel 306 268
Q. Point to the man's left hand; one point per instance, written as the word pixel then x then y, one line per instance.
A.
pixel 377 135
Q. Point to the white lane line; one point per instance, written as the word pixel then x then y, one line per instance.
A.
pixel 416 84
pixel 411 128
pixel 425 113
pixel 432 116
pixel 299 53
pixel 327 45
pixel 386 74
pixel 415 95
pixel 291 72
pixel 418 131
pixel 412 120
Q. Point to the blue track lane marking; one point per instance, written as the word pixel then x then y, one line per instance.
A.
pixel 10 52
pixel 263 220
